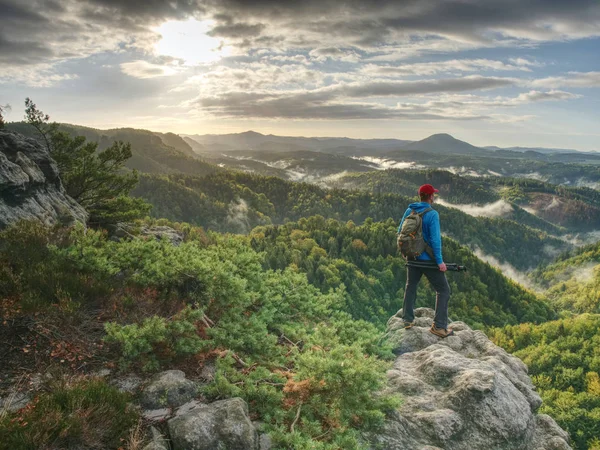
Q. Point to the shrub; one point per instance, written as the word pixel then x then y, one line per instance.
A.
pixel 85 414
pixel 157 340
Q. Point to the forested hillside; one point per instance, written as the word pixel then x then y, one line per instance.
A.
pixel 152 152
pixel 573 280
pixel 460 191
pixel 563 357
pixel 305 284
pixel 280 201
pixel 364 260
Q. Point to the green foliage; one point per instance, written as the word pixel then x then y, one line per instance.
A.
pixel 265 328
pixel 563 357
pixel 365 261
pixel 95 179
pixel 37 274
pixel 270 199
pixel 157 340
pixel 573 280
pixel 84 414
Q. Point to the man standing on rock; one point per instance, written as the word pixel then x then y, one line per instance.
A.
pixel 433 254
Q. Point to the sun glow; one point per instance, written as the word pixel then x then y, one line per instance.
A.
pixel 187 40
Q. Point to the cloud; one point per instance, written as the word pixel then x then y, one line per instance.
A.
pixel 144 69
pixel 453 65
pixel 388 23
pixel 572 79
pixel 500 208
pixel 383 164
pixel 334 53
pixel 38 76
pixel 507 270
pixel 254 92
pixel 49 31
pixel 420 87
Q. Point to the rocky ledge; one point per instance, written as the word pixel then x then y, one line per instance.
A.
pixel 461 393
pixel 30 188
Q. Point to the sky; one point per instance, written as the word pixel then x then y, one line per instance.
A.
pixel 491 72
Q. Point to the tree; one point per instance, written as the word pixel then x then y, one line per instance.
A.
pixel 3 108
pixel 96 180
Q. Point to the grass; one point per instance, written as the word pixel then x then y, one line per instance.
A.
pixel 85 413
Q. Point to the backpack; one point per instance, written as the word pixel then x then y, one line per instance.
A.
pixel 410 239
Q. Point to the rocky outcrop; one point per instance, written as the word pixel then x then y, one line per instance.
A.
pixel 223 425
pixel 193 425
pixel 30 187
pixel 461 393
pixel 168 389
pixel 159 232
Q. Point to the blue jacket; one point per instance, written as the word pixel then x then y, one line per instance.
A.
pixel 431 230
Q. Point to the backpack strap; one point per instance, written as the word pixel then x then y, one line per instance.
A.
pixel 422 213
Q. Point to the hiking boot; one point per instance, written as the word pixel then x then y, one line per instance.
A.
pixel 408 325
pixel 441 332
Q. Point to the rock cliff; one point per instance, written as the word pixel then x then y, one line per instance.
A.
pixel 461 393
pixel 30 187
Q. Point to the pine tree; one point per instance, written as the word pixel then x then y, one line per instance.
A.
pixel 96 180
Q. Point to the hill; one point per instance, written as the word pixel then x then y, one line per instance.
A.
pixel 282 201
pixel 444 144
pixel 563 358
pixel 152 152
pixel 573 280
pixel 463 193
pixel 251 140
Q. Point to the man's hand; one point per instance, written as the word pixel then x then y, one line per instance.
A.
pixel 442 267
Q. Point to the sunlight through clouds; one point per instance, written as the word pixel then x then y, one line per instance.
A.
pixel 188 40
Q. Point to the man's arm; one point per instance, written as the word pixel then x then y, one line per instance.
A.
pixel 435 236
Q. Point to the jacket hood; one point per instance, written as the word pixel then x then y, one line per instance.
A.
pixel 419 206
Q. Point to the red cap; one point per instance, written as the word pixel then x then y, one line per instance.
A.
pixel 427 189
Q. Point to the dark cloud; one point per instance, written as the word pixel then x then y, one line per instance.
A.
pixel 302 107
pixel 151 9
pixel 420 87
pixel 332 102
pixel 50 30
pixel 23 52
pixel 375 22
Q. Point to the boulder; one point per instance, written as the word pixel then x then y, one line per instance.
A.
pixel 222 425
pixel 30 187
pixel 168 389
pixel 159 442
pixel 159 232
pixel 460 393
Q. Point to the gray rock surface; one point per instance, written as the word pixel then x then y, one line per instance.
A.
pixel 155 415
pixel 159 232
pixel 14 401
pixel 159 442
pixel 128 383
pixel 462 392
pixel 30 187
pixel 222 425
pixel 168 389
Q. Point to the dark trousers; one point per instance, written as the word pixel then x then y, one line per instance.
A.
pixel 442 289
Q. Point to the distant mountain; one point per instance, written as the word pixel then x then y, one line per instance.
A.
pixel 251 140
pixel 533 149
pixel 443 144
pixel 196 146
